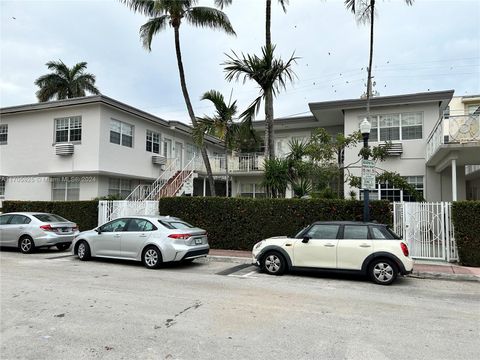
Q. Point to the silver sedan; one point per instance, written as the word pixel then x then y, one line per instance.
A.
pixel 31 230
pixel 150 239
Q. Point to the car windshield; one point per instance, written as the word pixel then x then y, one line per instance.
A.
pixel 50 218
pixel 395 236
pixel 175 224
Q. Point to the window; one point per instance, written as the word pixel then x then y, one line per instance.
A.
pixel 3 134
pixel 389 127
pixel 114 226
pixel 50 218
pixel 68 129
pixel 121 133
pixel 473 109
pixel 393 127
pixel 19 219
pixel 167 148
pixel 417 182
pixel 4 219
pixel 355 232
pixel 378 233
pixel 412 126
pixel 252 190
pixel 65 189
pixel 140 225
pixel 153 142
pixel 175 224
pixel 2 188
pixel 119 187
pixel 387 191
pixel 323 232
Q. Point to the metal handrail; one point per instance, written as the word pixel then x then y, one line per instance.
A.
pixel 171 188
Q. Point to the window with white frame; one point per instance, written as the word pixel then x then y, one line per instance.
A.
pixel 153 142
pixel 396 127
pixel 68 129
pixel 473 109
pixel 2 188
pixel 3 134
pixel 119 187
pixel 121 133
pixel 386 191
pixel 65 189
pixel 252 190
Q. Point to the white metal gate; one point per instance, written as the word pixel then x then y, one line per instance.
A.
pixel 112 209
pixel 428 229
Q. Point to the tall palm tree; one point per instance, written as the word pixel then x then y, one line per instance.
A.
pixel 65 83
pixel 172 12
pixel 364 10
pixel 221 124
pixel 271 75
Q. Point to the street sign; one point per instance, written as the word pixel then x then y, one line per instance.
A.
pixel 368 174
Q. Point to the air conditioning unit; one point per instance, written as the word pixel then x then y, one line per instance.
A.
pixel 64 149
pixel 396 149
pixel 159 160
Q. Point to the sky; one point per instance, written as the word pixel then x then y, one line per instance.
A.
pixel 432 45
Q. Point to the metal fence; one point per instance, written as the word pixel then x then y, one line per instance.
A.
pixel 428 229
pixel 112 209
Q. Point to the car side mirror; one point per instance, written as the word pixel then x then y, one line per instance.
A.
pixel 306 239
pixel 98 231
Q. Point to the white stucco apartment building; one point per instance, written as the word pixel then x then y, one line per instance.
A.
pixel 83 148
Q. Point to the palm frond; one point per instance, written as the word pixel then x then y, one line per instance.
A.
pixel 204 16
pixel 152 27
pixel 222 3
pixel 283 3
pixel 145 7
pixel 216 97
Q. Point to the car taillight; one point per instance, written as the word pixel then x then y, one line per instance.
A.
pixel 179 236
pixel 404 248
pixel 46 228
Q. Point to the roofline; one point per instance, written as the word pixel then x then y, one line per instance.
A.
pixel 103 99
pixel 383 100
pixel 287 120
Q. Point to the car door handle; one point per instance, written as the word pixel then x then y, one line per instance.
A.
pixel 21 227
pixel 143 235
pixel 329 245
pixel 365 245
pixel 116 235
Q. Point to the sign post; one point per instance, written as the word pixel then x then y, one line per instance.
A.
pixel 368 174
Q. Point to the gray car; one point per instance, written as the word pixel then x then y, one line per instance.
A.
pixel 30 230
pixel 150 239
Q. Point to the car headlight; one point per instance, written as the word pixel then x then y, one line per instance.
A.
pixel 258 245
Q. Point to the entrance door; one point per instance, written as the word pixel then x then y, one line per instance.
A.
pixel 179 153
pixel 167 148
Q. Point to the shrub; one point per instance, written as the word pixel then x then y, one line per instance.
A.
pixel 83 213
pixel 465 217
pixel 238 223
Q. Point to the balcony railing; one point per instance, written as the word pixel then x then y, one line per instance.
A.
pixel 458 129
pixel 471 169
pixel 251 162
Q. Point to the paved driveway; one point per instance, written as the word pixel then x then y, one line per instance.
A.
pixel 55 307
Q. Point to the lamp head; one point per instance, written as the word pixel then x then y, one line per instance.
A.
pixel 365 126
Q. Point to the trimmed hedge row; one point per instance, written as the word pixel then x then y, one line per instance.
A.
pixel 83 213
pixel 238 223
pixel 466 220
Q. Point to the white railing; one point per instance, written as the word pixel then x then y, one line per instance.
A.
pixel 172 187
pixel 457 129
pixel 471 168
pixel 112 209
pixel 250 162
pixel 427 228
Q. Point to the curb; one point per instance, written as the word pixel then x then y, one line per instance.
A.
pixel 444 276
pixel 229 259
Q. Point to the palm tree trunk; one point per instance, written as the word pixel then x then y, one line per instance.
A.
pixel 370 60
pixel 181 71
pixel 268 23
pixel 269 137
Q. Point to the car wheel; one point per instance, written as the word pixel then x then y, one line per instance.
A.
pixel 62 247
pixel 26 245
pixel 151 257
pixel 273 263
pixel 83 251
pixel 383 271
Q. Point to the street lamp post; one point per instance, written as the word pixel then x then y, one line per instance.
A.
pixel 365 128
pixel 227 138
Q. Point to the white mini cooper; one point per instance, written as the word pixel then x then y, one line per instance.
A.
pixel 368 248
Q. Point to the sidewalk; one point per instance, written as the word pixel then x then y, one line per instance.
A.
pixel 422 268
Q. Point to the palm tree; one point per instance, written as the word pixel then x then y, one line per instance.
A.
pixel 172 12
pixel 271 75
pixel 65 83
pixel 364 10
pixel 221 124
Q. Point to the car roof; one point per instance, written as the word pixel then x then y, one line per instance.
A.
pixel 157 217
pixel 25 213
pixel 347 223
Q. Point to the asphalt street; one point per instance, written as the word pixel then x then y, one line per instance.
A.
pixel 54 306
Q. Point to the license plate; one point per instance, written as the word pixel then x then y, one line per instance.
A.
pixel 198 241
pixel 65 230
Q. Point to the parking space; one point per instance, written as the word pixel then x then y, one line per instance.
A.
pixel 54 306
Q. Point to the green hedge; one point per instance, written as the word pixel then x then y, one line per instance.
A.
pixel 83 213
pixel 466 221
pixel 238 223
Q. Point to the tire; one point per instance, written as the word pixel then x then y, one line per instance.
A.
pixel 274 263
pixel 62 247
pixel 83 251
pixel 26 245
pixel 383 271
pixel 152 257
